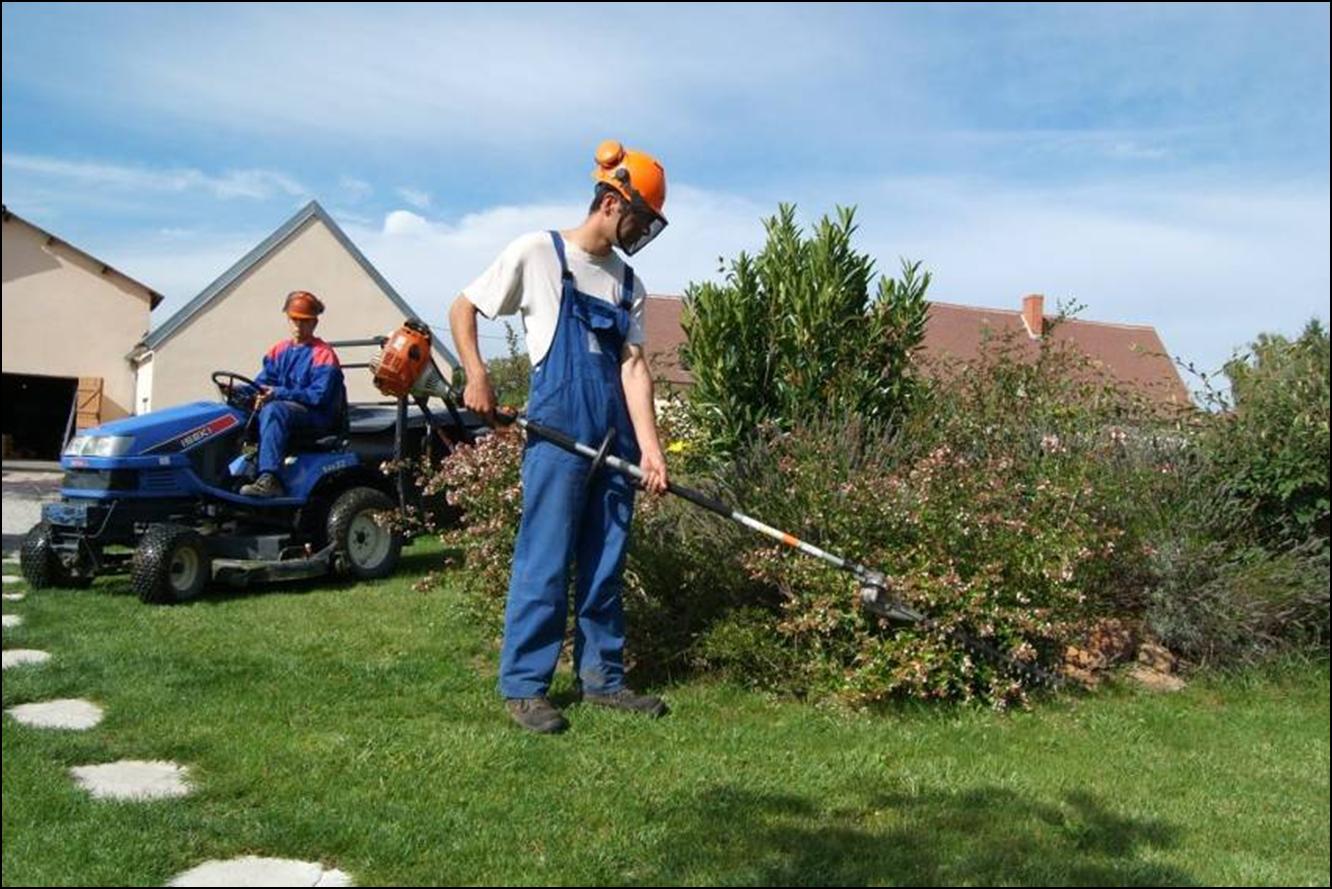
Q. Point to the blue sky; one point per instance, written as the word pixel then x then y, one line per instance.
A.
pixel 1163 165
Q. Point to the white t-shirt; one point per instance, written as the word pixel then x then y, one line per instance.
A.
pixel 525 278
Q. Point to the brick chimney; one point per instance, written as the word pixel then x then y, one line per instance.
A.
pixel 1033 314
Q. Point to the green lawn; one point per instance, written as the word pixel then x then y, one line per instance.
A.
pixel 357 725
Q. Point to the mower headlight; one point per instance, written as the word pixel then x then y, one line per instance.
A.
pixel 99 445
pixel 110 445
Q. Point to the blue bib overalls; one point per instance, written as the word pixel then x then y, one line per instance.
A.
pixel 567 515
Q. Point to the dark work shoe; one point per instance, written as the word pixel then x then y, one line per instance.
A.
pixel 628 699
pixel 536 715
pixel 267 485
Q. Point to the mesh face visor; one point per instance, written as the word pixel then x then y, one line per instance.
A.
pixel 639 225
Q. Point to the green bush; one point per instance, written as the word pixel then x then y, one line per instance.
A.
pixel 1024 502
pixel 1271 450
pixel 1008 505
pixel 1217 607
pixel 1239 570
pixel 511 376
pixel 797 331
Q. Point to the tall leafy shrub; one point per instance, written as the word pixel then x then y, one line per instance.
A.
pixel 800 330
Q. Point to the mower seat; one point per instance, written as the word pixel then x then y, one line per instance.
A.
pixel 316 442
pixel 323 440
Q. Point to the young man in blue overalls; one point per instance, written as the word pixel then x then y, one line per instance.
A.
pixel 582 310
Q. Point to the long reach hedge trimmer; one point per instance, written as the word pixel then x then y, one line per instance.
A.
pixel 405 368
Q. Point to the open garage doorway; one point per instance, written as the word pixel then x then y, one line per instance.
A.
pixel 38 413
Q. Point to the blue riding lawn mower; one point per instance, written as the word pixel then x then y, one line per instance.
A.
pixel 158 497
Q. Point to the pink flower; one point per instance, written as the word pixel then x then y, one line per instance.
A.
pixel 1052 445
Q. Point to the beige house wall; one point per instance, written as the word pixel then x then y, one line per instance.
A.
pixel 235 331
pixel 67 315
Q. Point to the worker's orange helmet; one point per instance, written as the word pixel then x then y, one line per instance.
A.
pixel 640 179
pixel 303 304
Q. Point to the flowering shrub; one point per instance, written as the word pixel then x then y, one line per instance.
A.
pixel 482 481
pixel 991 516
pixel 1026 504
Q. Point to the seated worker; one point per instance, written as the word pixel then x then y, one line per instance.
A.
pixel 300 388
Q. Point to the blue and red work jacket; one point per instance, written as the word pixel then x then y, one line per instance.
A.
pixel 308 374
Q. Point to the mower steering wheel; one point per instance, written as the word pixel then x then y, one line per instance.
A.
pixel 226 382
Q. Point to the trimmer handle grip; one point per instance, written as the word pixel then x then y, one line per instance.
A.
pixel 505 418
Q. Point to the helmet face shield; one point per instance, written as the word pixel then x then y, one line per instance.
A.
pixel 638 226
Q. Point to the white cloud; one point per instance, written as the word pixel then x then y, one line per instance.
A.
pixel 417 198
pixel 251 184
pixel 429 261
pixel 431 75
pixel 404 223
pixel 350 217
pixel 1130 150
pixel 355 190
pixel 1209 268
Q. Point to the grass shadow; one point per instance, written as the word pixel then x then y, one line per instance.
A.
pixel 986 836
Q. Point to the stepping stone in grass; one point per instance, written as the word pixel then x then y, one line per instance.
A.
pixel 15 597
pixel 132 779
pixel 253 871
pixel 1156 680
pixel 17 657
pixel 13 620
pixel 8 580
pixel 68 713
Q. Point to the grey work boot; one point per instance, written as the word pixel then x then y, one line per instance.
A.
pixel 628 699
pixel 267 485
pixel 536 715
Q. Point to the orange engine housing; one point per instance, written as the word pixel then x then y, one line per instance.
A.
pixel 403 358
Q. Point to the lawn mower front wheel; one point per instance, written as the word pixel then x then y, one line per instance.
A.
pixel 40 564
pixel 365 541
pixel 171 564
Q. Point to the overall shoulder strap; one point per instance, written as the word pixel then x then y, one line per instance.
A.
pixel 627 289
pixel 559 251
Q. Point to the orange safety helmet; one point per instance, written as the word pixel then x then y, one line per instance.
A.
pixel 302 304
pixel 640 179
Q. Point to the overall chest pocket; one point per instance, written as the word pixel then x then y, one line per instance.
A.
pixel 607 326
